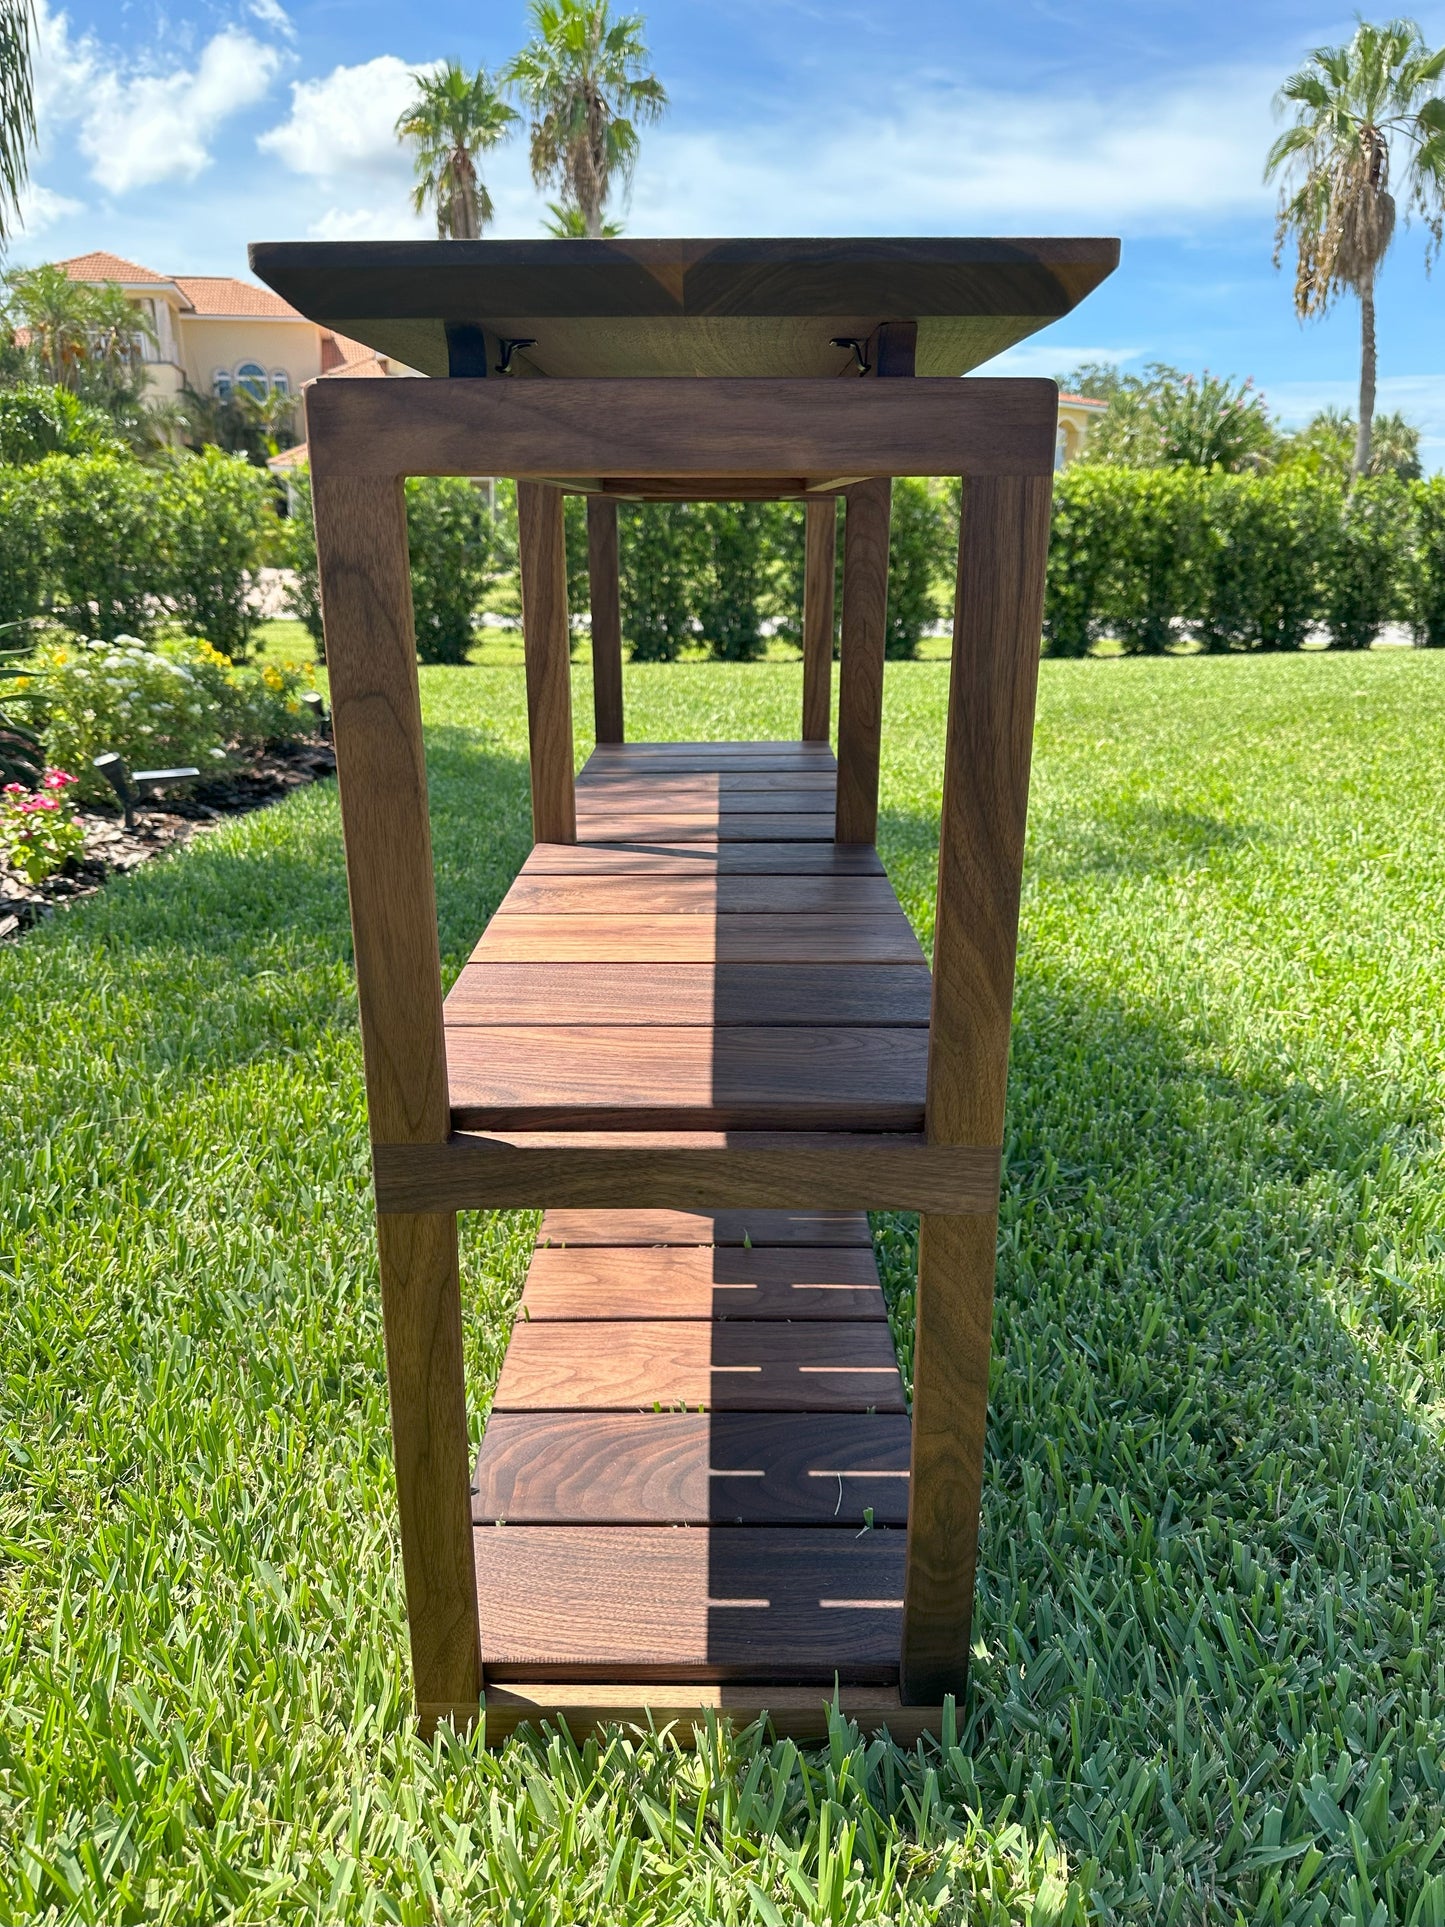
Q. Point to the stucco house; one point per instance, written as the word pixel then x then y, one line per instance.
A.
pixel 1077 415
pixel 214 334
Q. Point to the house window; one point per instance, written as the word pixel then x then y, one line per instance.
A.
pixel 221 384
pixel 281 381
pixel 251 376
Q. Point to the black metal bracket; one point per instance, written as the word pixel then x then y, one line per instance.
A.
pixel 858 346
pixel 510 345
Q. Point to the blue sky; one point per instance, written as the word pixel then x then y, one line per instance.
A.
pixel 175 133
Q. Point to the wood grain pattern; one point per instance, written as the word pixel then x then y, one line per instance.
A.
pixel 816 937
pixel 709 785
pixel 998 617
pixel 952 1342
pixel 542 561
pixel 760 307
pixel 606 604
pixel 661 1079
pixel 629 1366
pixel 860 675
pixel 760 1603
pixel 692 1469
pixel 698 1282
pixel 726 759
pixel 663 856
pixel 820 995
pixel 381 768
pixel 422 1318
pixel 798 1713
pixel 599 826
pixel 820 523
pixel 659 795
pixel 685 1170
pixel 747 1228
pixel 541 893
pixel 670 429
pixel 1002 552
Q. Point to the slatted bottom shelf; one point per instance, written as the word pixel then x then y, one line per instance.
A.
pixel 696 1466
pixel 692 1494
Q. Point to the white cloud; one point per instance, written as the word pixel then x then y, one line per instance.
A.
pixel 40 208
pixel 392 222
pixel 140 121
pixel 345 123
pixel 272 14
pixel 341 135
pixel 972 162
pixel 141 128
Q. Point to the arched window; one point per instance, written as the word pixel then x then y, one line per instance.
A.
pixel 221 384
pixel 251 376
pixel 281 381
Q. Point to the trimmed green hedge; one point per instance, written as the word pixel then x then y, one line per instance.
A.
pixel 1150 556
pixel 107 547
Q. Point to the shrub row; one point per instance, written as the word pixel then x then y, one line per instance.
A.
pixel 720 574
pixel 107 547
pixel 1146 556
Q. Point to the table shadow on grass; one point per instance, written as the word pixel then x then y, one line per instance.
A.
pixel 1214 1511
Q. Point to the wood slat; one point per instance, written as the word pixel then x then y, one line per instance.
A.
pixel 543 894
pixel 723 752
pixel 620 1366
pixel 610 826
pixel 658 796
pixel 762 937
pixel 711 784
pixel 532 1078
pixel 708 994
pixel 703 1283
pixel 691 1468
pixel 664 856
pixel 686 1170
pixel 798 1713
pixel 748 1228
pixel 759 1603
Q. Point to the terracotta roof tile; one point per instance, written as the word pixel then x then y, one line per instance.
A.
pixel 100 266
pixel 216 294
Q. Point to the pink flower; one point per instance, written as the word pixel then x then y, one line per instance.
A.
pixel 14 789
pixel 56 779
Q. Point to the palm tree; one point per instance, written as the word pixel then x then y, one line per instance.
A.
pixel 569 223
pixel 454 118
pixel 1357 109
pixel 17 103
pixel 584 78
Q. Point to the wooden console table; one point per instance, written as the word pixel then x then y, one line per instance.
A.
pixel 699 1032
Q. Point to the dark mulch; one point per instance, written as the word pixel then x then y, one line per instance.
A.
pixel 162 823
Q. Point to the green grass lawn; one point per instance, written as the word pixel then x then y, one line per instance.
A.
pixel 1209 1674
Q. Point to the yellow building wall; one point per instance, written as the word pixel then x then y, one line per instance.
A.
pixel 210 343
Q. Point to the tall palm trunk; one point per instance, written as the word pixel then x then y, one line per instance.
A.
pixel 1367 380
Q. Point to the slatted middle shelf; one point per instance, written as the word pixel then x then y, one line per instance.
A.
pixel 696 1464
pixel 703 958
